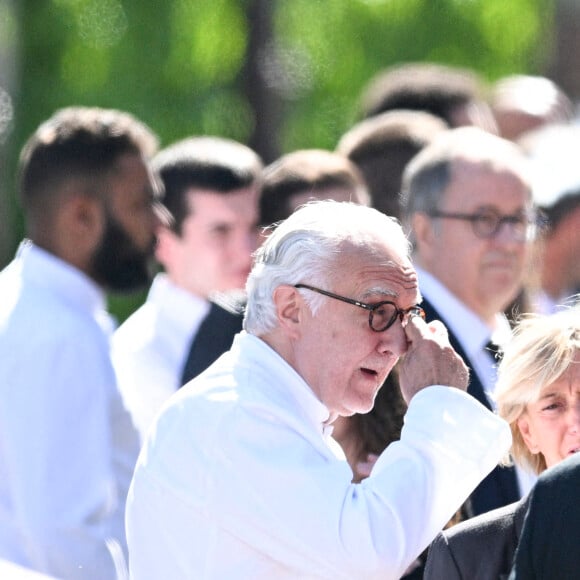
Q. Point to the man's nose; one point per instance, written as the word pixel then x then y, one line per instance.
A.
pixel 394 340
pixel 511 233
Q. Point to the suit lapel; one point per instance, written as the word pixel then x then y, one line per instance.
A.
pixel 475 388
pixel 520 515
pixel 214 337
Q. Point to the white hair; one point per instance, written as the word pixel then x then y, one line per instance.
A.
pixel 305 247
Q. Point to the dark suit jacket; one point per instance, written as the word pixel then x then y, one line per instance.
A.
pixel 214 337
pixel 548 547
pixel 481 548
pixel 500 487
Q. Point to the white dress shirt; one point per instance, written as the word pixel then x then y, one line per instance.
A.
pixel 238 479
pixel 11 571
pixel 67 445
pixel 150 348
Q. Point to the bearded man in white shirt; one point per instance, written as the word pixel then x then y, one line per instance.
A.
pixel 240 477
pixel 211 190
pixel 68 446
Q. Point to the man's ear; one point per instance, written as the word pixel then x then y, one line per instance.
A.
pixel 423 233
pixel 289 308
pixel 422 228
pixel 76 230
pixel 166 245
pixel 85 219
pixel 527 435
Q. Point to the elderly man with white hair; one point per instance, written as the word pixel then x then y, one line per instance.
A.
pixel 240 477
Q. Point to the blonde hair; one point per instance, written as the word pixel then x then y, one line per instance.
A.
pixel 541 351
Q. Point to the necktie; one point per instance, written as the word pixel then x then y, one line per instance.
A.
pixel 494 350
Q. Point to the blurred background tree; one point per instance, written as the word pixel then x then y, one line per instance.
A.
pixel 275 74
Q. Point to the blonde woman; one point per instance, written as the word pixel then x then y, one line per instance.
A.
pixel 538 394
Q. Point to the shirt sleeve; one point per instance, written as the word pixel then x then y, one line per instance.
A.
pixel 278 489
pixel 58 452
pixel 449 442
pixel 145 385
pixel 145 376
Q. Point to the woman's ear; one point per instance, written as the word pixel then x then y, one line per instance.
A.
pixel 527 434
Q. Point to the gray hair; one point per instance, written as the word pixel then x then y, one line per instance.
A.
pixel 305 248
pixel 430 172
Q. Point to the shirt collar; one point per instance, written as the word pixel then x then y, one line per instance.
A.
pixel 61 278
pixel 287 378
pixel 471 331
pixel 184 309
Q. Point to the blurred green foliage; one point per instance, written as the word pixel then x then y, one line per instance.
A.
pixel 342 44
pixel 177 64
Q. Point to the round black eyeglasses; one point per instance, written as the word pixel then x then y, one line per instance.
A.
pixel 382 315
pixel 487 223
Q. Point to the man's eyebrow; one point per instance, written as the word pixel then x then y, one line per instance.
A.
pixel 381 291
pixel 387 292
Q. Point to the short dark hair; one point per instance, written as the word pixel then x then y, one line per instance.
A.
pixel 304 171
pixel 435 88
pixel 381 147
pixel 81 143
pixel 209 163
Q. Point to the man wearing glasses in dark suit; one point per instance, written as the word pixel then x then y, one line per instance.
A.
pixel 467 200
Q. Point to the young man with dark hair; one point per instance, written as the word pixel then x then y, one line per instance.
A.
pixel 211 190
